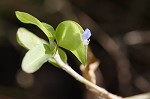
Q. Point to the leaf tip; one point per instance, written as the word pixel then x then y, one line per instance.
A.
pixel 26 68
pixel 17 12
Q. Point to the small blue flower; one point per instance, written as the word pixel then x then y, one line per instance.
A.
pixel 85 36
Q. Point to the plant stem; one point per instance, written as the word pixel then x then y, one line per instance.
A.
pixel 95 89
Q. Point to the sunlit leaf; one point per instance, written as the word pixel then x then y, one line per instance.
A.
pixel 69 36
pixel 49 28
pixel 27 39
pixel 27 18
pixel 35 58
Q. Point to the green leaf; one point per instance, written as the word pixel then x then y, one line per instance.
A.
pixel 49 28
pixel 53 45
pixel 35 58
pixel 63 56
pixel 27 39
pixel 68 35
pixel 27 18
pixel 81 54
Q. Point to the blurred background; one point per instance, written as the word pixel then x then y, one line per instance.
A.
pixel 120 41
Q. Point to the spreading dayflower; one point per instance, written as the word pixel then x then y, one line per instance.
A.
pixel 85 36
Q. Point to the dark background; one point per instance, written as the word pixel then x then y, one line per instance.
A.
pixel 120 40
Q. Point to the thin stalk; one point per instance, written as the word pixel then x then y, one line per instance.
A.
pixel 95 89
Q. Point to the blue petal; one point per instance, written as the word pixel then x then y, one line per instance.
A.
pixel 86 35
